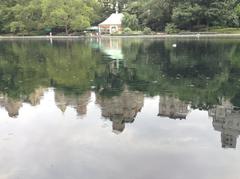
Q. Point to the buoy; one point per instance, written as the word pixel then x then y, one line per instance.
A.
pixel 174 45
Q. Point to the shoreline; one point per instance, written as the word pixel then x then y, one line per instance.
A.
pixel 119 36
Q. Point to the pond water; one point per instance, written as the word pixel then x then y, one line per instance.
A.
pixel 120 108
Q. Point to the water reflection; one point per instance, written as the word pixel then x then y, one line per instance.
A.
pixel 124 108
pixel 78 102
pixel 227 121
pixel 129 87
pixel 201 74
pixel 12 106
pixel 173 108
pixel 112 48
pixel 121 109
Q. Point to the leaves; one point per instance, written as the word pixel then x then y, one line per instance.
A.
pixel 34 15
pixel 130 21
pixel 29 16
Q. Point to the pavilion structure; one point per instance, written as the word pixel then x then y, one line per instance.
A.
pixel 113 24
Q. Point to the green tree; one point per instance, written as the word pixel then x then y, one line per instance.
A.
pixel 130 21
pixel 68 14
pixel 186 15
pixel 219 12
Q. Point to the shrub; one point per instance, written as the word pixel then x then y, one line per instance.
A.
pixel 16 27
pixel 147 31
pixel 171 28
pixel 127 30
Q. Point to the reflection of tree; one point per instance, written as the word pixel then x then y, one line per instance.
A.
pixel 200 73
pixel 27 65
pixel 71 67
pixel 22 68
pixel 110 81
pixel 197 72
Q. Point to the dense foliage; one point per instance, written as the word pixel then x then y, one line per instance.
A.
pixel 185 14
pixel 43 16
pixel 28 16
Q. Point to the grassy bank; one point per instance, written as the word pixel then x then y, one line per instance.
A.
pixel 211 30
pixel 225 30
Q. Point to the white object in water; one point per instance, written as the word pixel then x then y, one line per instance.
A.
pixel 174 45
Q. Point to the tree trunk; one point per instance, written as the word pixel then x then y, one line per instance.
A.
pixel 66 29
pixel 207 25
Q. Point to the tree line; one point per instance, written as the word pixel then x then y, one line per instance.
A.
pixel 161 15
pixel 69 16
pixel 41 16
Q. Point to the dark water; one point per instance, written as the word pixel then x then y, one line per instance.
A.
pixel 120 108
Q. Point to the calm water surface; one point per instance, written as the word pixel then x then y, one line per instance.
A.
pixel 120 108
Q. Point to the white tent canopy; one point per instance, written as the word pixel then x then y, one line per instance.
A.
pixel 114 19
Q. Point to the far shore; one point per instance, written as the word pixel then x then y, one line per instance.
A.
pixel 120 36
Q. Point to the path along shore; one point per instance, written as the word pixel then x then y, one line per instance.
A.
pixel 129 36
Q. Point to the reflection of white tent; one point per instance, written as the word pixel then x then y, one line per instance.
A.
pixel 114 53
pixel 112 48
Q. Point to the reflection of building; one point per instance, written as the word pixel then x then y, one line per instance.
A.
pixel 121 109
pixel 112 24
pixel 172 107
pixel 227 121
pixel 12 106
pixel 35 97
pixel 79 102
